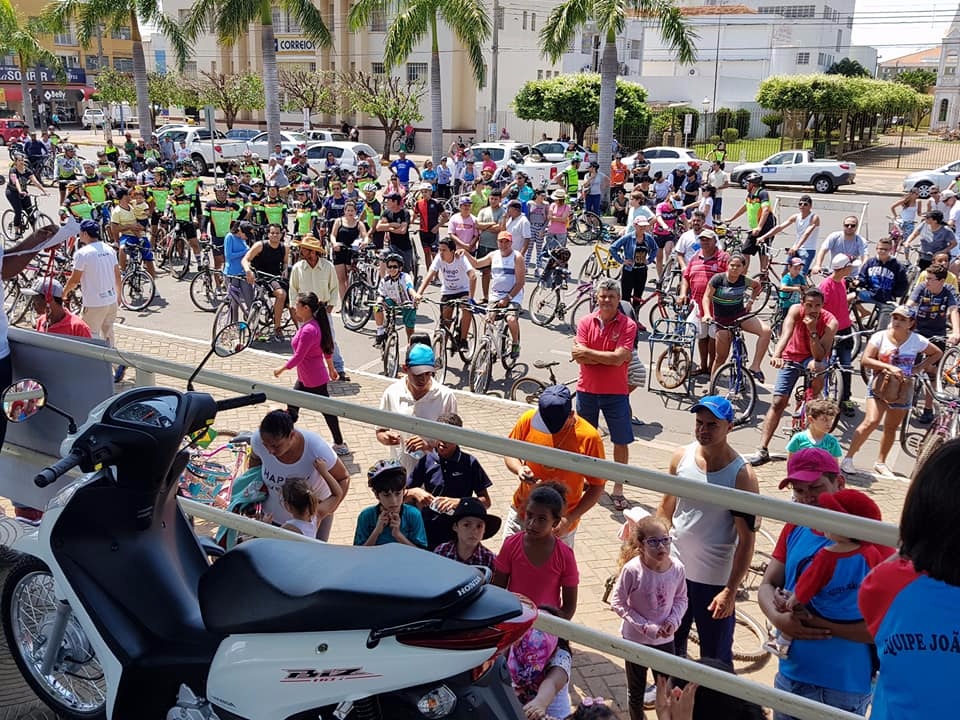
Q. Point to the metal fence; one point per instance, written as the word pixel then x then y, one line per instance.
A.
pixel 751 503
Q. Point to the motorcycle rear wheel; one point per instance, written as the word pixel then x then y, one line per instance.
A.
pixel 77 688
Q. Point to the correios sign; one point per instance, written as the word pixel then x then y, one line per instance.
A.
pixel 293 45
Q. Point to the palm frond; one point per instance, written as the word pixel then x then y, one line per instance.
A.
pixel 562 25
pixel 673 28
pixel 610 15
pixel 407 30
pixel 201 19
pixel 180 42
pixel 310 19
pixel 233 18
pixel 359 15
pixel 470 23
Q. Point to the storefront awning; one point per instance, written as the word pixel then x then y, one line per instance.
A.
pixel 10 93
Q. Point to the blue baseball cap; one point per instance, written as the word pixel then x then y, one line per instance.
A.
pixel 719 406
pixel 554 407
pixel 91 227
pixel 421 359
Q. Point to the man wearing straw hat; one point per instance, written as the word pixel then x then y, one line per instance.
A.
pixel 314 273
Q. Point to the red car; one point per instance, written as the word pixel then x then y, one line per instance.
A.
pixel 11 130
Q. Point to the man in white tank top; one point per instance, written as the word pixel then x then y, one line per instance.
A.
pixel 714 543
pixel 507 273
pixel 807 225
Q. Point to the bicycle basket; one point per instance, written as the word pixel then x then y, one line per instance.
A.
pixel 204 480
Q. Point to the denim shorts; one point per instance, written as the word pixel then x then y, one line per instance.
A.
pixel 788 376
pixel 856 703
pixel 616 412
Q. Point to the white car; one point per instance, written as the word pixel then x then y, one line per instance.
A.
pixel 798 167
pixel 93 118
pixel 500 152
pixel 288 141
pixel 344 151
pixel 326 136
pixel 556 151
pixel 924 180
pixel 665 159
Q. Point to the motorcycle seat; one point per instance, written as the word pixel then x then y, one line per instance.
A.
pixel 278 586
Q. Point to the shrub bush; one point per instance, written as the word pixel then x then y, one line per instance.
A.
pixel 731 135
pixel 714 139
pixel 772 121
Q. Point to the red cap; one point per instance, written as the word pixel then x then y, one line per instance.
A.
pixel 851 502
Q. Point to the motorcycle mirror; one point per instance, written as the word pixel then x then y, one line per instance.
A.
pixel 23 399
pixel 232 339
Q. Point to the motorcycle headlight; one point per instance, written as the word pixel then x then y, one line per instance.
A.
pixel 437 703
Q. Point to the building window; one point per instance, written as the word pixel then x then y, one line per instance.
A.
pixel 93 62
pixel 951 70
pixel 524 21
pixel 122 64
pixel 500 18
pixel 483 80
pixel 539 74
pixel 378 20
pixel 789 11
pixel 121 33
pixel 533 21
pixel 183 14
pixel 803 58
pixel 70 61
pixel 636 48
pixel 65 38
pixel 416 72
pixel 190 69
pixel 586 44
pixel 942 115
pixel 160 61
pixel 839 40
pixel 378 68
pixel 849 22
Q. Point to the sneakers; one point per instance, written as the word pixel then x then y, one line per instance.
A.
pixel 848 408
pixel 278 336
pixel 758 376
pixel 926 417
pixel 650 697
pixel 760 457
pixel 883 470
pixel 119 373
pixel 777 647
pixel 343 377
pixel 378 341
pixel 463 344
pixel 341 449
pixel 847 467
pixel 515 351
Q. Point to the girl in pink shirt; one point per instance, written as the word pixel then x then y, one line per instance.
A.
pixel 651 597
pixel 534 562
pixel 313 359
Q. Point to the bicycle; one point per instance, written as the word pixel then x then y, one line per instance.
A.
pixel 732 380
pixel 137 286
pixel 208 475
pixel 599 263
pixel 356 308
pixel 945 427
pixel 494 343
pixel 176 249
pixel 803 393
pixel 406 143
pixel 585 227
pixel 769 282
pixel 29 216
pixel 528 388
pixel 390 345
pixel 258 314
pixel 446 337
pixel 547 300
pixel 207 289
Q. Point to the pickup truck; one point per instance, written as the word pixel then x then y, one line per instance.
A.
pixel 798 167
pixel 202 152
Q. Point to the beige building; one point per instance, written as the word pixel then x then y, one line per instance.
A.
pixel 926 59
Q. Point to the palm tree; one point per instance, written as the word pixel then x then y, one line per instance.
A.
pixel 21 38
pixel 91 16
pixel 412 20
pixel 609 18
pixel 231 19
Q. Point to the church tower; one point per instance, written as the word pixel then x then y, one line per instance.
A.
pixel 946 95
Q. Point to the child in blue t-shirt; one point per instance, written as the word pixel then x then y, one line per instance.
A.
pixel 390 520
pixel 792 285
pixel 820 416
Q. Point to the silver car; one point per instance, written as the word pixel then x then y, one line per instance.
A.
pixel 925 180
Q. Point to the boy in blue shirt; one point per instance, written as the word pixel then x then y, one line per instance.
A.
pixel 390 520
pixel 792 285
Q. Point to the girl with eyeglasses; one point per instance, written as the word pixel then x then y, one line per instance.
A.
pixel 651 597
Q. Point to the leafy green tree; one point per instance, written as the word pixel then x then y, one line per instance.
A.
pixel 114 87
pixel 20 38
pixel 413 20
pixel 230 93
pixel 609 17
pixel 90 15
pixel 315 91
pixel 575 100
pixel 392 102
pixel 165 89
pixel 920 79
pixel 231 19
pixel 849 68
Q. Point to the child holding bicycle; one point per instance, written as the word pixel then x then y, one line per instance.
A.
pixel 395 288
pixel 821 414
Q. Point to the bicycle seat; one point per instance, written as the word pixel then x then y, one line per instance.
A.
pixel 544 364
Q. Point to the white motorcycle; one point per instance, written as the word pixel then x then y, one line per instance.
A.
pixel 114 610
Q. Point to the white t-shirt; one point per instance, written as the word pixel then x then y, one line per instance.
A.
pixel 904 356
pixel 519 228
pixel 99 280
pixel 688 245
pixel 706 207
pixel 276 473
pixel 454 276
pixel 717 179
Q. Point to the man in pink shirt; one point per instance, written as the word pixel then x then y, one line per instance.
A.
pixel 693 284
pixel 836 301
pixel 603 349
pixel 463 226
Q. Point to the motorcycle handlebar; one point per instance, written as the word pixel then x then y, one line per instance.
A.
pixel 242 401
pixel 52 473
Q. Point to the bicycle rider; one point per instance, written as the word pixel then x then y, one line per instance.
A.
pixel 507 273
pixel 217 216
pixel 458 281
pixel 18 179
pixel 760 219
pixel 180 206
pixel 270 256
pixel 36 153
pixel 67 168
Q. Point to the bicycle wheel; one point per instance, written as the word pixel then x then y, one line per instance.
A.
pixel 179 259
pixel 354 310
pixel 748 638
pixel 440 356
pixel 736 385
pixel 10 233
pixel 661 310
pixel 137 290
pixel 931 442
pixel 506 345
pixel 162 251
pixel 761 299
pixel 543 304
pixel 673 367
pixel 227 313
pixel 391 354
pixel 467 352
pixel 481 365
pixel 591 270
pixel 15 302
pixel 585 228
pixel 582 308
pixel 207 290
pixel 527 389
pixel 948 372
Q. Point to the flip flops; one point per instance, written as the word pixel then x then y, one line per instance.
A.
pixel 620 502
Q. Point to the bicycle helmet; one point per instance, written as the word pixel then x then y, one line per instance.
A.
pixel 128 175
pixel 273 185
pixel 151 163
pixel 231 180
pixel 256 181
pixel 755 178
pixel 19 156
pixel 256 157
pixel 253 197
pixel 124 159
pixel 161 170
pixel 74 184
pixel 383 466
pixel 220 187
pixel 89 163
pixel 176 183
pixel 68 147
pixel 394 257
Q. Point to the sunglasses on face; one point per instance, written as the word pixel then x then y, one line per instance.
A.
pixel 853 225
pixel 393 267
pixel 802 204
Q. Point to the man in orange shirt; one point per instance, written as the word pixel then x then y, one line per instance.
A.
pixel 555 424
pixel 618 175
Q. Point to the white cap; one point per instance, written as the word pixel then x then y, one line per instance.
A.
pixel 839 261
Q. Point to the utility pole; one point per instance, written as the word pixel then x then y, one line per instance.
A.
pixel 494 64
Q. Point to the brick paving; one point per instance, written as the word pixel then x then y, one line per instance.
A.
pixel 595 674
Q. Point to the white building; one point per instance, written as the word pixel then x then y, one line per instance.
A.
pixel 946 95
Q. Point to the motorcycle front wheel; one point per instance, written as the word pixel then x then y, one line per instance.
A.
pixel 77 687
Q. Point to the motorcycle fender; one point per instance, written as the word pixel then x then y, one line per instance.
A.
pixel 270 676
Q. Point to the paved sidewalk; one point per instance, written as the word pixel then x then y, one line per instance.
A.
pixel 595 674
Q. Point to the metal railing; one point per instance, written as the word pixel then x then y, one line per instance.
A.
pixel 847 525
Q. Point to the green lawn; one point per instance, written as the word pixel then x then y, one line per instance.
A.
pixel 749 150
